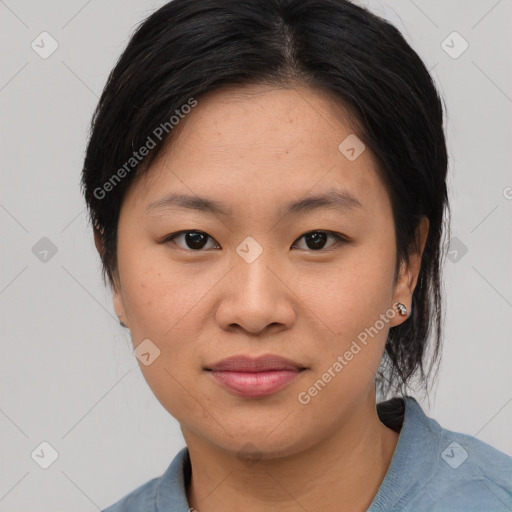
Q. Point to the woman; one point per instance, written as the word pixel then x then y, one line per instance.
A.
pixel 267 185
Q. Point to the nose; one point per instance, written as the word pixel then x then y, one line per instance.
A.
pixel 256 298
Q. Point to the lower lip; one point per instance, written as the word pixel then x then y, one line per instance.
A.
pixel 255 384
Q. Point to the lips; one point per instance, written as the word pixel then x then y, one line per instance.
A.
pixel 255 377
pixel 255 364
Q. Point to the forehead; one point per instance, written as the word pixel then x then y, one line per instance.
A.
pixel 248 144
pixel 269 121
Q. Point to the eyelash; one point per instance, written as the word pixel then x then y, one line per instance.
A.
pixel 339 239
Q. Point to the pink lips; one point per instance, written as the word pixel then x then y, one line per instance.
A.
pixel 255 377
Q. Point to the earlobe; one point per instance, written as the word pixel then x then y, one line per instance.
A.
pixel 409 274
pixel 402 296
pixel 119 306
pixel 97 241
pixel 116 298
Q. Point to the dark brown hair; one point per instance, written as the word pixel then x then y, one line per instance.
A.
pixel 190 47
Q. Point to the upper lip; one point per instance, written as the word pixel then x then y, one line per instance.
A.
pixel 263 363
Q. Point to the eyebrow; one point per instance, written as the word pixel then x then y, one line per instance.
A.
pixel 340 200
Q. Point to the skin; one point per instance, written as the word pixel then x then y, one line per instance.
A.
pixel 255 149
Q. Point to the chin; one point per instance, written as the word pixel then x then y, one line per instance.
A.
pixel 257 443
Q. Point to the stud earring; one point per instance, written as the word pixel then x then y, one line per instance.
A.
pixel 401 309
pixel 121 323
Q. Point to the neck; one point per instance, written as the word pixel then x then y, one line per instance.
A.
pixel 341 472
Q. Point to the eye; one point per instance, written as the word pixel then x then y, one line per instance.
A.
pixel 315 240
pixel 194 240
pixel 197 240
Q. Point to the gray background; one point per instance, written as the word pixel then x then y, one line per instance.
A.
pixel 67 372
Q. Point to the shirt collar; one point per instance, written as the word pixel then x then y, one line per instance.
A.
pixel 171 491
pixel 413 463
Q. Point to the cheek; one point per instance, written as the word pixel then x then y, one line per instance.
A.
pixel 156 294
pixel 165 307
pixel 354 291
pixel 354 304
pixel 356 309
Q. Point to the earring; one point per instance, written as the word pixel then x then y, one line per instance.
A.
pixel 121 323
pixel 401 309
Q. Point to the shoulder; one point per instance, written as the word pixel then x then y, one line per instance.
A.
pixel 466 474
pixel 142 498
pixel 472 474
pixel 166 492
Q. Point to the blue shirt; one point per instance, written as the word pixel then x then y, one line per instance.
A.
pixel 432 469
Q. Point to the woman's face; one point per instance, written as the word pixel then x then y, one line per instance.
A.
pixel 254 284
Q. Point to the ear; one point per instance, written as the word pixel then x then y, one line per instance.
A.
pixel 116 288
pixel 409 273
pixel 97 241
pixel 117 300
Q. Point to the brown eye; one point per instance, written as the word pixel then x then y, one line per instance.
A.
pixel 193 240
pixel 316 240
